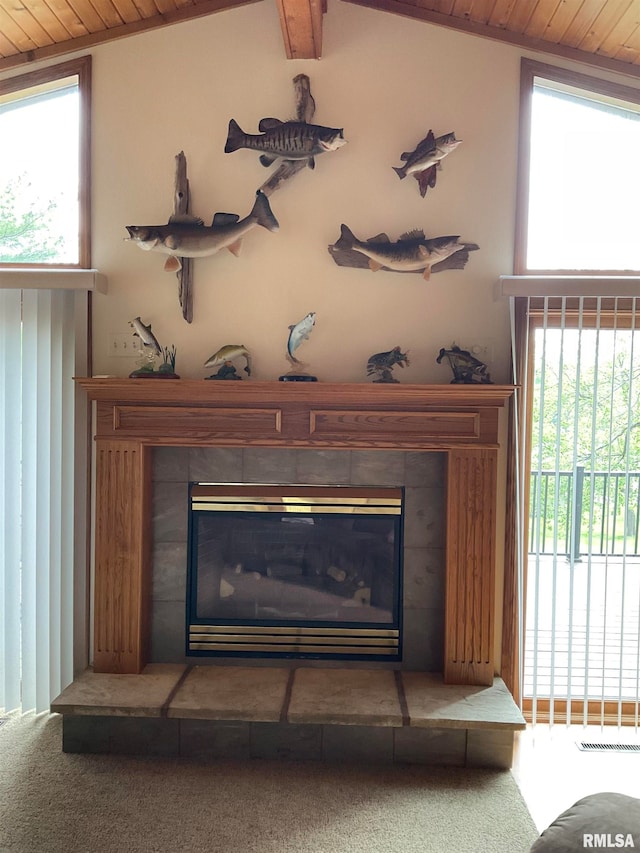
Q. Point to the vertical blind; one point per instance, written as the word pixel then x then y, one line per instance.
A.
pixel 37 363
pixel 582 606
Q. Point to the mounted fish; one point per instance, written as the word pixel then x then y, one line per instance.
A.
pixel 381 364
pixel 189 237
pixel 288 140
pixel 298 333
pixel 413 252
pixel 224 358
pixel 424 161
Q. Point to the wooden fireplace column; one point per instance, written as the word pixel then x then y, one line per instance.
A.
pixel 134 415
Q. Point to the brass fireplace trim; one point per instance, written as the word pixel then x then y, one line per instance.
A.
pixel 343 500
pixel 292 639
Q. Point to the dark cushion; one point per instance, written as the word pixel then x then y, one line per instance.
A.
pixel 600 821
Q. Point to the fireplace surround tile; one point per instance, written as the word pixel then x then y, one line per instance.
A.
pixel 424 469
pixel 170 511
pixel 358 744
pixel 109 694
pixel 447 747
pixel 344 696
pixel 424 517
pixel 231 693
pixel 214 464
pixel 432 703
pixel 379 468
pixel 318 467
pixel 213 739
pixel 268 465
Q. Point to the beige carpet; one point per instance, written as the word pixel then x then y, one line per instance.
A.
pixel 51 802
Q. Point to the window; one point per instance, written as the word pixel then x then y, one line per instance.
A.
pixel 44 167
pixel 579 174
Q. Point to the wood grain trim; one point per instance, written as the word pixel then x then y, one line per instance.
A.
pixel 470 566
pixel 327 423
pixel 184 422
pixel 122 561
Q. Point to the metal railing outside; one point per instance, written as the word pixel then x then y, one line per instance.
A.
pixel 584 512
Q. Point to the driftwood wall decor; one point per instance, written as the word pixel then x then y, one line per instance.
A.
pixel 305 109
pixel 181 204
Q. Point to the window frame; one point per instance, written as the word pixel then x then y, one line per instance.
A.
pixel 529 71
pixel 80 67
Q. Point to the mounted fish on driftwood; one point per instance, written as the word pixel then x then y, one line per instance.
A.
pixel 426 158
pixel 413 252
pixel 188 236
pixel 295 143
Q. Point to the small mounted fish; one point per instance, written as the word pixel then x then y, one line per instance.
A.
pixel 413 252
pixel 297 334
pixel 189 237
pixel 224 358
pixel 289 140
pixel 381 364
pixel 424 161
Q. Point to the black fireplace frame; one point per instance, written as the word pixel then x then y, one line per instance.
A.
pixel 339 639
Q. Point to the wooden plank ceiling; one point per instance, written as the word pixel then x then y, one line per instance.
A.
pixel 604 33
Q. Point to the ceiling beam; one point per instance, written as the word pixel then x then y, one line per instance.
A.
pixel 301 23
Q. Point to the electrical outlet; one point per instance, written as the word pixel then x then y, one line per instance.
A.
pixel 123 346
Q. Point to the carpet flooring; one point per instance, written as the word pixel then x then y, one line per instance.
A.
pixel 52 802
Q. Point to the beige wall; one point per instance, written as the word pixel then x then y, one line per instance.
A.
pixel 386 80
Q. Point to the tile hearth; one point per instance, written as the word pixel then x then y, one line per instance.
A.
pixel 290 712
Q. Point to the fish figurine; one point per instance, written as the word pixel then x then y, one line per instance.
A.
pixel 188 237
pixel 146 335
pixel 413 251
pixel 381 364
pixel 466 368
pixel 298 333
pixel 226 354
pixel 290 140
pixel 426 158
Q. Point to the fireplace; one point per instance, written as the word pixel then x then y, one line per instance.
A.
pixel 133 417
pixel 309 572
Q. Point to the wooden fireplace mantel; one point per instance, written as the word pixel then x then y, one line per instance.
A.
pixel 134 415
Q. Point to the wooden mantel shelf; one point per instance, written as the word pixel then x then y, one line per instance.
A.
pixel 134 415
pixel 177 411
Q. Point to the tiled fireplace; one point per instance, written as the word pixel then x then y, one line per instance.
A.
pixel 419 476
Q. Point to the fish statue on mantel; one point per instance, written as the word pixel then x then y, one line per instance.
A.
pixel 223 359
pixel 298 332
pixel 288 140
pixel 413 252
pixel 426 158
pixel 188 237
pixel 381 364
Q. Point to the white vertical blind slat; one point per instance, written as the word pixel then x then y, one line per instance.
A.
pixel 10 390
pixel 41 484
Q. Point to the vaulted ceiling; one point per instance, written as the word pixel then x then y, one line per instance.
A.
pixel 604 33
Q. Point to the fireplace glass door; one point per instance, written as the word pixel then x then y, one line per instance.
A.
pixel 294 571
